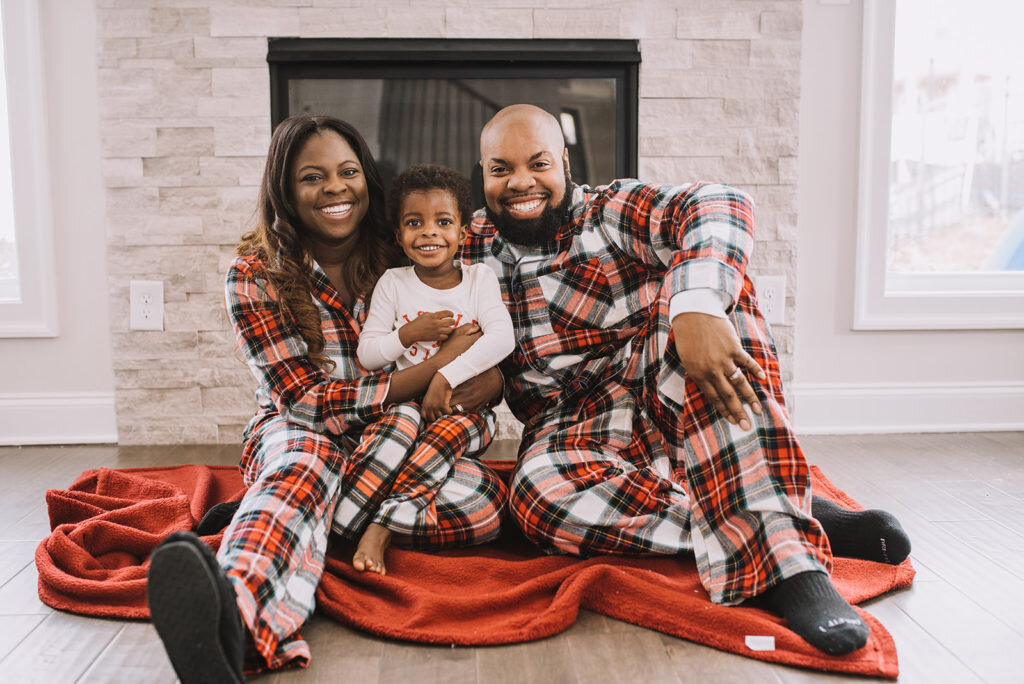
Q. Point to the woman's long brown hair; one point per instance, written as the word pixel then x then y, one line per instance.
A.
pixel 278 238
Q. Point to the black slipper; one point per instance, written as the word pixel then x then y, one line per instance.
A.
pixel 195 611
pixel 217 518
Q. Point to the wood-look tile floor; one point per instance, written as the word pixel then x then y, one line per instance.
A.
pixel 960 496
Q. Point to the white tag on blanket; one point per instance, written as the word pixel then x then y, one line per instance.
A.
pixel 760 643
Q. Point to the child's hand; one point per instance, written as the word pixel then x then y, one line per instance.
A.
pixel 436 400
pixel 462 339
pixel 427 327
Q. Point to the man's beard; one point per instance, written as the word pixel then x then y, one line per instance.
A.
pixel 534 232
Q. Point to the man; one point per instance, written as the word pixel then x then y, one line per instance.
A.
pixel 614 292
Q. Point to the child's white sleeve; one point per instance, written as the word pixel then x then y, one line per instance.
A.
pixel 379 343
pixel 498 339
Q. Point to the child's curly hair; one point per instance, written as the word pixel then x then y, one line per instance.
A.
pixel 422 177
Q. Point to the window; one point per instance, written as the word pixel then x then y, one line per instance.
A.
pixel 10 284
pixel 941 196
pixel 27 288
pixel 420 100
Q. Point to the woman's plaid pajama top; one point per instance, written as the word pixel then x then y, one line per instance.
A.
pixel 324 454
pixel 621 453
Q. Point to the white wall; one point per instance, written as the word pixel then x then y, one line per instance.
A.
pixel 60 390
pixel 847 381
pixel 844 380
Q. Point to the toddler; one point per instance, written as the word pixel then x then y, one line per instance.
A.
pixel 415 308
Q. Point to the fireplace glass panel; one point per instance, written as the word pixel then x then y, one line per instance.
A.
pixel 438 120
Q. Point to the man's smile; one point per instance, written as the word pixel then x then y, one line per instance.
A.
pixel 525 206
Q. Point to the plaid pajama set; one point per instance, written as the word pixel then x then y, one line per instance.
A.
pixel 324 454
pixel 621 453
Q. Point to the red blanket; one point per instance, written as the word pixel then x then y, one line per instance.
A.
pixel 107 522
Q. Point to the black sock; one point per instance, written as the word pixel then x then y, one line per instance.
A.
pixel 815 610
pixel 872 535
pixel 217 518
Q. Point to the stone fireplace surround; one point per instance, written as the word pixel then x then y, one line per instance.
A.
pixel 185 111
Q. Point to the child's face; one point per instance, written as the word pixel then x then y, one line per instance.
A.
pixel 430 229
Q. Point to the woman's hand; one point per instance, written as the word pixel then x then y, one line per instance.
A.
pixel 710 352
pixel 477 392
pixel 427 327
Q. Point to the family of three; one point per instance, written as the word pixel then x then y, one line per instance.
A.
pixel 630 346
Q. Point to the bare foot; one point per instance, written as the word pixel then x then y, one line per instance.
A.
pixel 370 550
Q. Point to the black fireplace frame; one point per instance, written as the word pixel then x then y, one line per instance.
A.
pixel 410 58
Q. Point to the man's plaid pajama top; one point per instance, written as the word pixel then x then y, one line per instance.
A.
pixel 621 453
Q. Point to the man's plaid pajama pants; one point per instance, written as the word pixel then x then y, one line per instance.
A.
pixel 641 463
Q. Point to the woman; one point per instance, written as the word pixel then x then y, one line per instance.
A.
pixel 329 440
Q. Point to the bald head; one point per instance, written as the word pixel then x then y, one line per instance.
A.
pixel 522 120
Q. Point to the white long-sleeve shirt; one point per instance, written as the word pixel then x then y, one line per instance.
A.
pixel 400 296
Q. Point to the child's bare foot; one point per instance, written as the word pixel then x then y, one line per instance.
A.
pixel 369 555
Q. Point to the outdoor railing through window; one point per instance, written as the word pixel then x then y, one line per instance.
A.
pixel 956 183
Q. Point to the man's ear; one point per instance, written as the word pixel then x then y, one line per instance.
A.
pixel 565 161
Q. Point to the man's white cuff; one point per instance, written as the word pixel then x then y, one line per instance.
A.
pixel 702 300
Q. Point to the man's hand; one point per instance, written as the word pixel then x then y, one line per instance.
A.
pixel 713 358
pixel 427 327
pixel 436 400
pixel 477 392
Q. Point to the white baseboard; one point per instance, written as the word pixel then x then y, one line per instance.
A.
pixel 89 417
pixel 920 407
pixel 43 418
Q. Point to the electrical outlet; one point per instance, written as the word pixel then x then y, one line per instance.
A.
pixel 146 307
pixel 771 296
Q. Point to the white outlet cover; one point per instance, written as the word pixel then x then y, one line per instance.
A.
pixel 771 297
pixel 146 305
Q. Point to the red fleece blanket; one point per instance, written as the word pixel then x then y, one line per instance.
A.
pixel 104 526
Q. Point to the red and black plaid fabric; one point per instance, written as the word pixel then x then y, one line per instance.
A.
pixel 621 453
pixel 289 383
pixel 323 454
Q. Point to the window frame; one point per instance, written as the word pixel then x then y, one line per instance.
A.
pixel 35 315
pixel 921 301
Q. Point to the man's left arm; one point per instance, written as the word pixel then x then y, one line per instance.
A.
pixel 702 234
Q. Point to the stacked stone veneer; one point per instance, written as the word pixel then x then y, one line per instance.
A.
pixel 185 119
